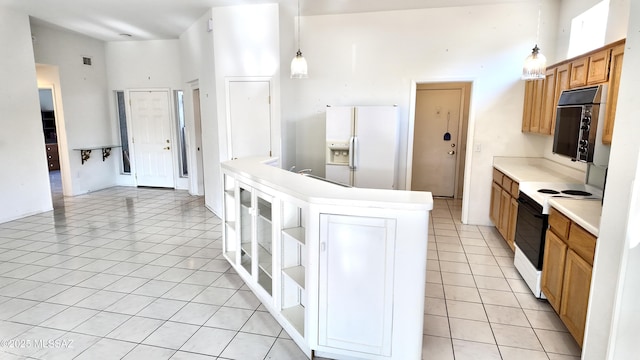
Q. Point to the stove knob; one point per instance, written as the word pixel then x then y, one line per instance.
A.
pixel 585 127
pixel 582 149
pixel 584 143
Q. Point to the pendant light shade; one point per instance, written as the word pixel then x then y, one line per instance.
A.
pixel 299 66
pixel 535 66
pixel 299 63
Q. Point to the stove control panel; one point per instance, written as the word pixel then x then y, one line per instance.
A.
pixel 586 137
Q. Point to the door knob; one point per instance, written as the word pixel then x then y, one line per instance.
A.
pixel 451 152
pixel 167 148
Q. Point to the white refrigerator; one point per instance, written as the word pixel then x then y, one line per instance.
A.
pixel 362 145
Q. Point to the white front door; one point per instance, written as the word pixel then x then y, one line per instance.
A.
pixel 435 141
pixel 153 148
pixel 249 118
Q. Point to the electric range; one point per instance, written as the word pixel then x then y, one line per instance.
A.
pixel 532 223
pixel 541 192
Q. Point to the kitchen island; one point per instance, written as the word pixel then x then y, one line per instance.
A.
pixel 341 269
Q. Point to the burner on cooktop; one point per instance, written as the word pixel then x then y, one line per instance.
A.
pixel 576 192
pixel 548 191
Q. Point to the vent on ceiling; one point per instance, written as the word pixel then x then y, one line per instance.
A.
pixel 86 60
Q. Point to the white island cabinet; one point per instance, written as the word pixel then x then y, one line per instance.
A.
pixel 341 269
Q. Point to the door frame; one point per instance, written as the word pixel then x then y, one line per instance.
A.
pixel 61 136
pixel 172 130
pixel 273 138
pixel 463 130
pixel 197 163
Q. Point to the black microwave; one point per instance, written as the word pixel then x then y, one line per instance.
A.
pixel 576 123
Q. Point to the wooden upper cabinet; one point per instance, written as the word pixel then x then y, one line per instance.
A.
pixel 598 67
pixel 548 108
pixel 617 53
pixel 529 94
pixel 579 72
pixel 536 112
pixel 563 73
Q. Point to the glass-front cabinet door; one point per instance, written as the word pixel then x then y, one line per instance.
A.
pixel 256 233
pixel 264 231
pixel 246 228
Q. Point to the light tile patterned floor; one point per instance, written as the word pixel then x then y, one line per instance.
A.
pixel 130 273
pixel 477 306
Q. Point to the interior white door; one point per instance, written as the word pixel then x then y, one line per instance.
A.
pixel 356 283
pixel 249 118
pixel 151 125
pixel 434 157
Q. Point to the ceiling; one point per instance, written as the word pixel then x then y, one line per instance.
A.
pixel 167 19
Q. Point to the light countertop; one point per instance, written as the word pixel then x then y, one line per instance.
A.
pixel 537 169
pixel 585 213
pixel 319 192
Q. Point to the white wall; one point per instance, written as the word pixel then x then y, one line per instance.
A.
pixel 244 43
pixel 49 76
pixel 612 321
pixel 24 185
pixel 86 107
pixel 372 58
pixel 198 68
pixel 144 65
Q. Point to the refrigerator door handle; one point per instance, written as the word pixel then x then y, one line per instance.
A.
pixel 351 139
pixel 353 153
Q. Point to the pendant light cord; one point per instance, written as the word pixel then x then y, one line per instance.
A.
pixel 298 25
pixel 539 16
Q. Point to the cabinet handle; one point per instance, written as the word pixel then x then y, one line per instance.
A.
pixel 323 247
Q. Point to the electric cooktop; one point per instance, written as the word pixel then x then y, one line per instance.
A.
pixel 541 192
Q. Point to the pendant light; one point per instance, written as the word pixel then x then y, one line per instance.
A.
pixel 535 65
pixel 298 64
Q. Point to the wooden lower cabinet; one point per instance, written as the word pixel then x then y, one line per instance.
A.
pixel 555 253
pixel 496 194
pixel 566 271
pixel 504 206
pixel 513 218
pixel 575 294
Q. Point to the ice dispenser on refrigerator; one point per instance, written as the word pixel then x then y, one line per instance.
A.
pixel 337 153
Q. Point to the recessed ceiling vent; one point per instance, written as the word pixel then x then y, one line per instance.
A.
pixel 86 60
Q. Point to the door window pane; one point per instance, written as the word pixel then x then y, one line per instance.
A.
pixel 124 137
pixel 184 171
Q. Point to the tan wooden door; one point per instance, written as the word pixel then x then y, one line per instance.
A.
pixel 434 158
